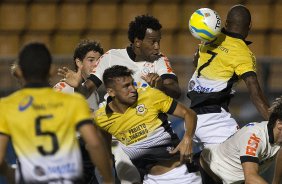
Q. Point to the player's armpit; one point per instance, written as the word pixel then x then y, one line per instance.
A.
pixel 251 173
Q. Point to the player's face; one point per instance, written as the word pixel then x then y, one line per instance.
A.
pixel 150 45
pixel 89 63
pixel 124 91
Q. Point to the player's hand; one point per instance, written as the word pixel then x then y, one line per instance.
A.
pixel 72 78
pixel 154 80
pixel 185 149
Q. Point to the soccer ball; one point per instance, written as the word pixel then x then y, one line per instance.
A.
pixel 205 24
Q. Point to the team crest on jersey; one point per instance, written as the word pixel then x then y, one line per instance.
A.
pixel 141 110
pixel 191 85
pixel 25 103
pixel 147 68
pixel 39 171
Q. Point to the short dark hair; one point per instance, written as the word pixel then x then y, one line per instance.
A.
pixel 35 61
pixel 238 17
pixel 85 46
pixel 138 27
pixel 114 72
pixel 276 112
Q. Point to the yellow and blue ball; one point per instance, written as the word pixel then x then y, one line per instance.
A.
pixel 205 24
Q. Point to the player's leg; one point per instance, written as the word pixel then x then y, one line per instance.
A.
pixel 126 171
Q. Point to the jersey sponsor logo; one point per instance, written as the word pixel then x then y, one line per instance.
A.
pixel 140 84
pixel 141 110
pixel 138 133
pixel 253 143
pixel 25 103
pixel 62 169
pixel 250 124
pixel 201 89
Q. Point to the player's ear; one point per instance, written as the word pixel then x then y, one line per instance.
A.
pixel 78 63
pixel 279 124
pixel 16 71
pixel 111 92
pixel 52 71
pixel 137 42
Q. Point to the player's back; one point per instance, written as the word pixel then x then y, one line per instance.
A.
pixel 42 124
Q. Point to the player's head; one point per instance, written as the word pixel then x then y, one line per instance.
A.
pixel 238 20
pixel 144 33
pixel 275 119
pixel 35 62
pixel 86 55
pixel 119 84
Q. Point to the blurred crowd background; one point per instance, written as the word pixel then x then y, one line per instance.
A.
pixel 60 24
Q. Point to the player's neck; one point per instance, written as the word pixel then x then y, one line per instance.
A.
pixel 118 107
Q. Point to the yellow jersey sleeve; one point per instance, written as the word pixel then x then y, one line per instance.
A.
pixel 81 111
pixel 4 128
pixel 245 64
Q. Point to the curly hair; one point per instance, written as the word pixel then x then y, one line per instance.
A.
pixel 138 27
pixel 114 72
pixel 276 111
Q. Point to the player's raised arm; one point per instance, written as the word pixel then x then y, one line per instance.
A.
pixel 97 151
pixel 277 178
pixel 74 79
pixel 257 96
pixel 185 146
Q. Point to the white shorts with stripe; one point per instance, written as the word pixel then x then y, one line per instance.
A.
pixel 179 175
pixel 214 128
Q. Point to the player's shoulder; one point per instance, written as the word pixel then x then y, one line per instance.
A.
pixel 237 45
pixel 112 54
pixel 162 58
pixel 149 92
pixel 256 128
pixel 100 112
pixel 63 87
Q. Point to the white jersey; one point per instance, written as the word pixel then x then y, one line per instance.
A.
pixel 126 57
pixel 252 143
pixel 92 100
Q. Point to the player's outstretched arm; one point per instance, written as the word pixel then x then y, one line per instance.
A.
pixel 251 173
pixel 185 146
pixel 277 178
pixel 257 96
pixel 97 151
pixel 74 79
pixel 169 86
